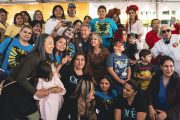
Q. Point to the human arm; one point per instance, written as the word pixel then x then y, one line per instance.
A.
pixel 56 28
pixel 155 50
pixel 109 64
pixel 117 114
pixel 31 62
pixel 141 116
pixel 128 74
pixel 64 61
pixel 115 76
pixel 41 92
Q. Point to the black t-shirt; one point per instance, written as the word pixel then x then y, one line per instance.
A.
pixel 70 79
pixel 129 112
pixel 104 108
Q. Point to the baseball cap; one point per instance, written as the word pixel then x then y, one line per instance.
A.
pixel 71 5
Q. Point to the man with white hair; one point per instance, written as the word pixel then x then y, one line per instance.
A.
pixel 168 45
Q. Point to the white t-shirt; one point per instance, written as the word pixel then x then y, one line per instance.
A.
pixel 51 24
pixel 172 49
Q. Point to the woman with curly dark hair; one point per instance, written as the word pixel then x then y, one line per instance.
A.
pixel 163 92
pixel 114 14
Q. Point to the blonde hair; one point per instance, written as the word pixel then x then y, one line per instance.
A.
pixel 95 35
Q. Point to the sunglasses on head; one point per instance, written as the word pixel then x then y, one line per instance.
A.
pixel 164 31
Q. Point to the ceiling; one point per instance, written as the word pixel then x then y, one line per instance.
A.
pixel 25 1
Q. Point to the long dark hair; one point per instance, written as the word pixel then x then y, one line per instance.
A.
pixel 39 46
pixel 108 78
pixel 45 71
pixel 54 50
pixel 15 16
pixel 84 87
pixel 26 13
pixel 57 6
pixel 135 86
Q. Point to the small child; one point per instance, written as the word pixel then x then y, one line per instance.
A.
pixel 118 66
pixel 85 100
pixel 48 79
pixel 143 70
pixel 104 97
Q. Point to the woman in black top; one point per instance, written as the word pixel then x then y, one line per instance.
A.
pixel 75 74
pixel 132 104
pixel 163 92
pixel 17 98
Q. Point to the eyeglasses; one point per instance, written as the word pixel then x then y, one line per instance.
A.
pixel 164 31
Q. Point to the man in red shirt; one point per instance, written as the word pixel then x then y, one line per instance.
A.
pixel 152 36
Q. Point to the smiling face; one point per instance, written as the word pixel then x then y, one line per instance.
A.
pixel 115 18
pixel 128 91
pixel 86 20
pixel 25 17
pixel 49 45
pixel 3 17
pixel 19 20
pixel 37 29
pixel 77 26
pixel 61 44
pixel 167 68
pixel 85 31
pixel 58 12
pixel 102 13
pixel 95 41
pixel 38 16
pixel 25 34
pixel 79 62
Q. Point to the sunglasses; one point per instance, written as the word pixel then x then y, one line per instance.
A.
pixel 164 31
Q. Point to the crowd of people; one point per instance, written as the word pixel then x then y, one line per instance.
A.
pixel 95 69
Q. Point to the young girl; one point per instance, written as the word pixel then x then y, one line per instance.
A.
pixel 85 100
pixel 48 79
pixel 104 96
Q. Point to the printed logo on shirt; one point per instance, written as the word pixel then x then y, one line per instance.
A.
pixel 120 67
pixel 73 80
pixel 103 28
pixel 131 114
pixel 15 56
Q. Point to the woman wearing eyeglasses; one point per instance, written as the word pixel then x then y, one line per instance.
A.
pixel 163 92
pixel 168 45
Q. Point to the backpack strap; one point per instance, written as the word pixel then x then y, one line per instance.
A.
pixel 5 50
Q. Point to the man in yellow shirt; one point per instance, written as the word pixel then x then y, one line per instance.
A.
pixel 71 12
pixel 3 24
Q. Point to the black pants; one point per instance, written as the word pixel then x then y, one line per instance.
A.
pixel 16 102
pixel 68 110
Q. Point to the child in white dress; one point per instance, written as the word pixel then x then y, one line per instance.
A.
pixel 48 79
